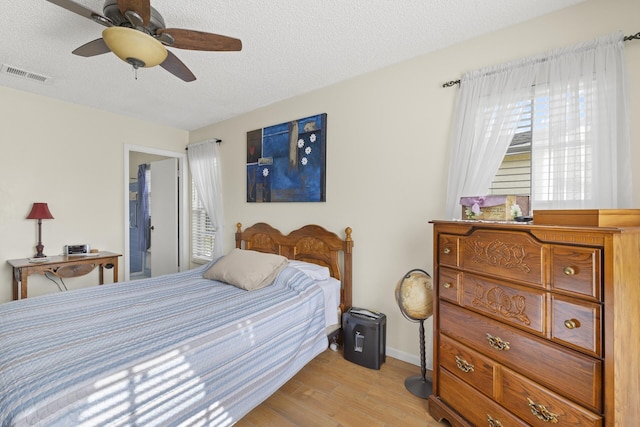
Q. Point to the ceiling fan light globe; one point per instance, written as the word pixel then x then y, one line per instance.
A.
pixel 127 44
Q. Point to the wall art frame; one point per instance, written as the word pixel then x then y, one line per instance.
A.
pixel 287 162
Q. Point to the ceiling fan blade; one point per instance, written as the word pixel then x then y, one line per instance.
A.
pixel 141 7
pixel 96 47
pixel 176 67
pixel 198 40
pixel 82 11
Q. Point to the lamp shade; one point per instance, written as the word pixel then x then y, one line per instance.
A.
pixel 135 47
pixel 40 211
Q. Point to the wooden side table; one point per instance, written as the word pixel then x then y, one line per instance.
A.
pixel 61 266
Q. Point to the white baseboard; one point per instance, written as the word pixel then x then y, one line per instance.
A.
pixel 408 357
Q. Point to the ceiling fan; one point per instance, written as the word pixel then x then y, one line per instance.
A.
pixel 136 33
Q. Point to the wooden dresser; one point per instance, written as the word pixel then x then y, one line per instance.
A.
pixel 536 325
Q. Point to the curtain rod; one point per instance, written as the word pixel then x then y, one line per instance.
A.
pixel 626 39
pixel 216 140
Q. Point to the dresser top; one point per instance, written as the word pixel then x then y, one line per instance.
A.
pixel 514 225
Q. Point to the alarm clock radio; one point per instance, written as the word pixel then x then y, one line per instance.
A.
pixel 77 250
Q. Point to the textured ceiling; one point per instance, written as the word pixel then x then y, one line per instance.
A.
pixel 289 48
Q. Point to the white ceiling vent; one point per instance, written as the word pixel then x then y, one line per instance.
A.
pixel 17 72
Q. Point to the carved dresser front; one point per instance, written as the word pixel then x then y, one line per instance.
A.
pixel 536 325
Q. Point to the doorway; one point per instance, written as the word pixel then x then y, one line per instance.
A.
pixel 139 257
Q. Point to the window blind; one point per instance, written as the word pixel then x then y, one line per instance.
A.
pixel 561 170
pixel 202 231
pixel 562 157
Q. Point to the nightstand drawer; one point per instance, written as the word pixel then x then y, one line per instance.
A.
pixel 466 364
pixel 573 374
pixel 541 407
pixel 576 270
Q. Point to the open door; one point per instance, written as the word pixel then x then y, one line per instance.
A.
pixel 133 157
pixel 163 203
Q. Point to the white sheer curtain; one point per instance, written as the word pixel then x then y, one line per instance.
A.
pixel 580 127
pixel 205 172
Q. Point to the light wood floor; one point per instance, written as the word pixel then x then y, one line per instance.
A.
pixel 331 391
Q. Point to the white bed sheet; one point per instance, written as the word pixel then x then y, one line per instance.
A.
pixel 331 291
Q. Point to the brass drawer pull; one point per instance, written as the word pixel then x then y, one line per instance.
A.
pixel 497 343
pixel 448 285
pixel 569 271
pixel 542 413
pixel 492 422
pixel 463 365
pixel 446 251
pixel 571 323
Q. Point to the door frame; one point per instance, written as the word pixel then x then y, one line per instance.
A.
pixel 183 241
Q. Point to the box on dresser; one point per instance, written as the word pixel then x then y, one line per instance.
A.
pixel 589 217
pixel 494 208
pixel 535 324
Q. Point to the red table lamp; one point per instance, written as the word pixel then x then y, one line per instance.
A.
pixel 40 211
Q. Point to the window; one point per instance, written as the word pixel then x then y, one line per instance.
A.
pixel 580 151
pixel 514 175
pixel 562 164
pixel 202 232
pixel 535 166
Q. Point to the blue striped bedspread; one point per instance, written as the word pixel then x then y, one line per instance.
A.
pixel 176 350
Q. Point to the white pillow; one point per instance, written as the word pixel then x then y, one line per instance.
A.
pixel 314 271
pixel 245 269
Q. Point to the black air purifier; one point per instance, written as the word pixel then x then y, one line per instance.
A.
pixel 364 337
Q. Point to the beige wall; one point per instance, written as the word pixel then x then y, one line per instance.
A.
pixel 72 158
pixel 136 159
pixel 387 160
pixel 386 165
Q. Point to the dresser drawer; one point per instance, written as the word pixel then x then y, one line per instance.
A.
pixel 466 364
pixel 568 372
pixel 540 406
pixel 576 270
pixel 449 285
pixel 505 254
pixel 518 305
pixel 472 405
pixel 447 250
pixel 577 324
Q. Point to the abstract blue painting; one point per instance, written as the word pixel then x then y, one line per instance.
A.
pixel 287 162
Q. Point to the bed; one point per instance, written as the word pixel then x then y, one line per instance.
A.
pixel 175 350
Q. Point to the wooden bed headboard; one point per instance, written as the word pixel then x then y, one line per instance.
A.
pixel 310 243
